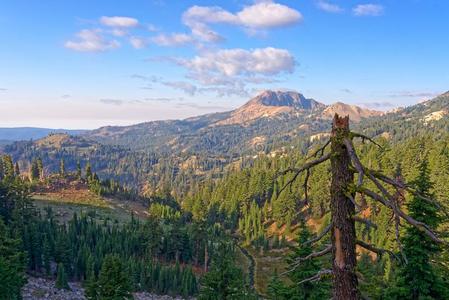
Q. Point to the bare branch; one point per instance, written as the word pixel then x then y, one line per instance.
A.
pixel 378 251
pixel 320 236
pixel 367 222
pixel 397 223
pixel 364 137
pixel 320 150
pixel 409 188
pixel 298 171
pixel 420 225
pixel 355 160
pixel 306 186
pixel 312 255
pixel 359 208
pixel 317 277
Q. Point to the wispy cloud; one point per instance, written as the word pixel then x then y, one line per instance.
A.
pixel 329 7
pixel 373 10
pixel 184 86
pixel 173 40
pixel 378 105
pixel 117 102
pixel 259 16
pixel 413 94
pixel 116 21
pixel 138 42
pixel 202 107
pixel 3 89
pixel 163 99
pixel 236 62
pixel 65 96
pixel 348 91
pixel 91 40
pixel 232 69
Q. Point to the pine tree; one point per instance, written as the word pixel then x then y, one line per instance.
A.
pixel 34 171
pixel 90 284
pixel 88 171
pixel 417 279
pixel 78 170
pixel 277 290
pixel 17 169
pixel 2 172
pixel 61 279
pixel 12 265
pixel 113 280
pixel 8 167
pixel 306 269
pixel 224 280
pixel 40 168
pixel 62 167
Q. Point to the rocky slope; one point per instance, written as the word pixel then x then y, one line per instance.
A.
pixel 269 104
pixel 44 289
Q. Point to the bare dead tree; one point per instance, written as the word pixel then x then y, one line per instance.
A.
pixel 345 163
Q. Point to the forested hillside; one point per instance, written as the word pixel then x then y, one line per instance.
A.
pixel 199 213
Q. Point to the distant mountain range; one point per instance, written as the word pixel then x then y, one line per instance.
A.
pixel 207 144
pixel 270 117
pixel 268 104
pixel 31 133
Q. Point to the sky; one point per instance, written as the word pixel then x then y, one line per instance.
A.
pixel 86 64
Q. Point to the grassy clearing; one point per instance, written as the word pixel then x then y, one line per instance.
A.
pixel 266 265
pixel 64 211
pixel 80 197
pixel 67 202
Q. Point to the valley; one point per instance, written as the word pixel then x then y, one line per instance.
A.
pixel 183 199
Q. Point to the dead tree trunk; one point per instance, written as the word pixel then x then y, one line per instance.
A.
pixel 344 163
pixel 342 211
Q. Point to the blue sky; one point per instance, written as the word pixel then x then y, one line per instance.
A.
pixel 84 63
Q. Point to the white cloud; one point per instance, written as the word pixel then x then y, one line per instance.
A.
pixel 152 28
pixel 174 39
pixel 184 86
pixel 236 62
pixel 266 15
pixel 119 21
pixel 368 10
pixel 329 7
pixel 91 41
pixel 261 15
pixel 229 71
pixel 137 42
pixel 119 32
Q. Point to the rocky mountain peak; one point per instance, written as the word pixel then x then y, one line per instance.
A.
pixel 285 98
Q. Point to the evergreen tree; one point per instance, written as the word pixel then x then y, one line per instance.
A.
pixel 88 171
pixel 417 279
pixel 34 171
pixel 61 279
pixel 62 167
pixel 2 172
pixel 12 265
pixel 306 269
pixel 40 168
pixel 277 290
pixel 8 167
pixel 17 169
pixel 224 280
pixel 78 170
pixel 113 280
pixel 90 284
